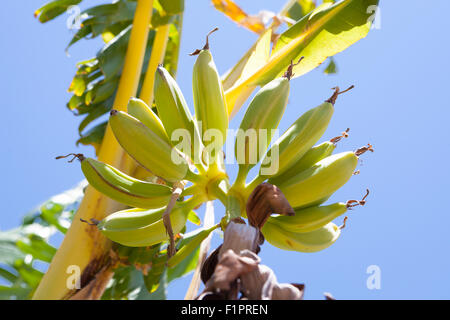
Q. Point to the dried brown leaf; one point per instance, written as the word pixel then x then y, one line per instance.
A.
pixel 286 291
pixel 265 200
pixel 210 265
pixel 229 268
pixel 262 284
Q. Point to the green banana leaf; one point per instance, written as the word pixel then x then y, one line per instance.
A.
pixel 324 32
pixel 96 80
pixel 106 18
pixel 93 136
pixel 320 34
pixel 53 9
pixel 128 284
pixel 14 293
pixel 25 251
pixel 299 8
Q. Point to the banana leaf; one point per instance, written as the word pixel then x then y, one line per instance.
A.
pixel 322 33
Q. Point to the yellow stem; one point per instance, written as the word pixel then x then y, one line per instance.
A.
pixel 157 57
pixel 83 246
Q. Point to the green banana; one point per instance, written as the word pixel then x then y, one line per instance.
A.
pixel 310 219
pixel 262 116
pixel 140 228
pixel 209 99
pixel 299 138
pixel 316 184
pixel 123 188
pixel 313 155
pixel 141 111
pixel 312 241
pixel 320 181
pixel 174 112
pixel 147 148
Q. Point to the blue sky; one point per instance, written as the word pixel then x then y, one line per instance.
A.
pixel 400 105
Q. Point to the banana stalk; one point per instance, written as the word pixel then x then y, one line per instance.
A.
pixel 157 57
pixel 83 246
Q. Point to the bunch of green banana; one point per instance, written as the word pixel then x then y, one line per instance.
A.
pixel 312 241
pixel 316 184
pixel 209 101
pixel 260 120
pixel 310 219
pixel 123 188
pixel 312 156
pixel 306 173
pixel 299 138
pixel 310 229
pixel 140 227
pixel 175 115
pixel 141 111
pixel 148 148
pixel 313 218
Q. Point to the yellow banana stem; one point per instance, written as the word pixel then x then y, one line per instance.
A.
pixel 84 248
pixel 176 50
pixel 157 57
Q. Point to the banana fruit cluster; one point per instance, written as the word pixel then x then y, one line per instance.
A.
pixel 143 227
pixel 171 145
pixel 308 175
pixel 310 229
pixel 312 241
pixel 184 151
pixel 209 103
pixel 124 188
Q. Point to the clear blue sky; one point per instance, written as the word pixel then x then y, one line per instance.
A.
pixel 400 105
